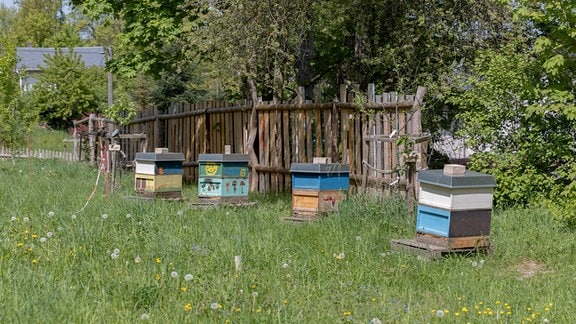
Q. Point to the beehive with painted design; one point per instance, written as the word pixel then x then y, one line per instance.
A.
pixel 223 178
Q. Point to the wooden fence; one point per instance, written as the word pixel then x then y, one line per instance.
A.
pixel 379 136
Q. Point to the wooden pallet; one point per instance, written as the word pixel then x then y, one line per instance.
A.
pixel 153 198
pixel 432 247
pixel 215 204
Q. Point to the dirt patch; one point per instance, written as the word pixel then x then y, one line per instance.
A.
pixel 530 268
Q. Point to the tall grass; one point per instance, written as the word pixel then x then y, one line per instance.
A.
pixel 127 260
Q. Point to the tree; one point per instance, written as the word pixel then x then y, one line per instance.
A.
pixel 66 89
pixel 16 118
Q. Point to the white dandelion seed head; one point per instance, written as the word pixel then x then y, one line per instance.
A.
pixel 137 259
pixel 73 216
pixel 128 216
pixel 439 313
pixel 545 321
pixel 254 294
pixel 116 250
pixel 20 171
pixel 26 219
pixel 13 218
pixel 188 277
pixel 214 306
pixel 144 317
pixel 227 213
pixel 50 214
pixel 114 255
pixel 180 212
pixel 474 264
pixel 43 240
pixel 375 320
pixel 358 238
pixel 139 223
pixel 49 234
pixel 174 274
pixel 284 265
pixel 482 262
pixel 104 216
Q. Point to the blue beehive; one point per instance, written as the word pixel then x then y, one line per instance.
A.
pixel 318 188
pixel 454 204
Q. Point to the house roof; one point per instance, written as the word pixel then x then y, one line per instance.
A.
pixel 32 58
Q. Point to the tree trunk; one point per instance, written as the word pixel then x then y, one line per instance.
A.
pixel 252 132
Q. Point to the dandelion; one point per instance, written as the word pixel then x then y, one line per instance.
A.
pixel 26 219
pixel 439 313
pixel 128 216
pixel 347 313
pixel 183 289
pixel 545 321
pixel 188 307
pixel 258 310
pixel 188 277
pixel 20 244
pixel 474 264
pixel 238 309
pixel 339 256
pixel 49 234
pixel 34 235
pixel 254 294
pixel 158 260
pixel 174 274
pixel 137 259
pixel 157 277
pixel 284 265
pixel 13 218
pixel 180 213
pixel 358 238
pixel 116 250
pixel 114 256
pixel 43 240
pixel 375 320
pixel 73 216
pixel 34 261
pixel 104 216
pixel 50 214
pixel 144 317
pixel 215 306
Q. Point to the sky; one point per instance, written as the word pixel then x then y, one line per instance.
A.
pixel 8 3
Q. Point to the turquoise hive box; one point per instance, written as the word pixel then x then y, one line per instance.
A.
pixel 223 178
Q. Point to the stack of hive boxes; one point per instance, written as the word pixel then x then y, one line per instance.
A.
pixel 223 178
pixel 159 174
pixel 318 188
pixel 455 205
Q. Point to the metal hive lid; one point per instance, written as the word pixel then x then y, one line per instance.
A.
pixel 470 179
pixel 319 168
pixel 215 157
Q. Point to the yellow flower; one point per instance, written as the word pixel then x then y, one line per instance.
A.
pixel 238 309
pixel 20 244
pixel 188 307
pixel 464 309
pixel 34 261
pixel 157 277
pixel 285 301
pixel 347 313
pixel 158 260
pixel 258 310
pixel 456 314
pixel 183 288
pixel 34 235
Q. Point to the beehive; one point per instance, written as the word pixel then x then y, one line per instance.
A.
pixel 318 188
pixel 223 178
pixel 454 204
pixel 159 174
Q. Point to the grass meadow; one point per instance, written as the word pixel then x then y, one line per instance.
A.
pixel 65 258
